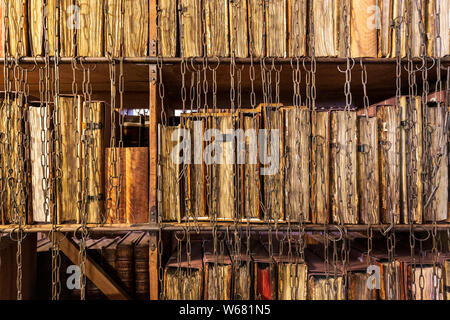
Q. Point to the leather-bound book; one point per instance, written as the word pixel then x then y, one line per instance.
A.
pixel 90 34
pixel 92 248
pixel 273 171
pixel 68 26
pixel 217 28
pixel 168 28
pixel 183 278
pixel 18 28
pixel 218 272
pixel 36 116
pixel 265 272
pixel 251 179
pixel 320 172
pixel 172 202
pixel 386 11
pixel 67 197
pixel 256 27
pixel 358 276
pixel 190 26
pixel 433 44
pixel 130 170
pixel 297 146
pixel 276 28
pixel 297 17
pixel 238 28
pixel 398 46
pixel 324 17
pixel 36 26
pixel 447 279
pixel 93 129
pixel 141 271
pixel 389 160
pixel 134 22
pixel 411 142
pixel 368 177
pixel 344 204
pixel 436 159
pixel 125 260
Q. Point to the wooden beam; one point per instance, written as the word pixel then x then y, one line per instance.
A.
pixel 95 273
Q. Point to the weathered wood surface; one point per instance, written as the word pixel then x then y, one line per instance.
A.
pixel 273 181
pixel 364 35
pixel 320 172
pixel 90 35
pixel 436 151
pixel 217 28
pixel 276 28
pixel 36 128
pixel 411 141
pixel 297 148
pixel 256 23
pixel 368 178
pixel 389 162
pixel 238 28
pixel 297 16
pixel 251 177
pixel 190 25
pixel 171 175
pixel 67 196
pixel 168 28
pixel 344 204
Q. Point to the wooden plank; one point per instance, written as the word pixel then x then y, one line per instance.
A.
pixel 276 28
pixel 168 28
pixel 344 204
pixel 190 28
pixel 411 160
pixel 93 271
pixel 320 197
pixel 364 38
pixel 90 35
pixel 217 28
pixel 368 177
pixel 297 16
pixel 389 163
pixel 297 148
pixel 238 28
pixel 256 23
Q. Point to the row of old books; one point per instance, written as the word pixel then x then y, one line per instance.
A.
pixel 116 179
pixel 255 274
pixel 288 163
pixel 280 28
pixel 75 28
pixel 123 258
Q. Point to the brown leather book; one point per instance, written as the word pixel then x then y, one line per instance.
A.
pixel 125 260
pixel 141 268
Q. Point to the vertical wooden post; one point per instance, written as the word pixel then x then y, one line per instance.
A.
pixel 153 266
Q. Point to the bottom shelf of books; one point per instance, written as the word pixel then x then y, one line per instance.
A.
pixel 228 265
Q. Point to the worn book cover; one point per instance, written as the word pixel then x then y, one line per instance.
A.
pixel 167 20
pixel 297 29
pixel 90 35
pixel 256 27
pixel 238 28
pixel 190 26
pixel 276 28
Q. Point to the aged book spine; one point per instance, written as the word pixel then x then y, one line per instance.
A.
pixel 297 148
pixel 68 28
pixel 113 24
pixel 2 32
pixel 115 164
pixel 168 28
pixel 398 17
pixel 415 40
pixel 444 24
pixel 218 289
pixel 436 162
pixel 389 148
pixel 322 288
pixel 324 16
pixel 171 175
pixel 93 130
pixel 217 27
pixel 447 279
pixel 190 28
pixel 238 28
pixel 256 27
pixel 135 24
pixel 141 273
pixel 18 28
pixel 344 204
pixel 67 210
pixel 90 34
pixel 411 159
pixel 124 267
pixel 357 287
pixel 224 190
pixel 273 176
pixel 320 159
pixel 276 28
pixel 368 177
pixel 243 282
pixel 385 32
pixel 183 284
pixel 36 23
pixel 364 38
pixel 297 16
pixel 38 149
pixel 265 281
pixel 339 21
pixel 289 273
pixel 251 176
